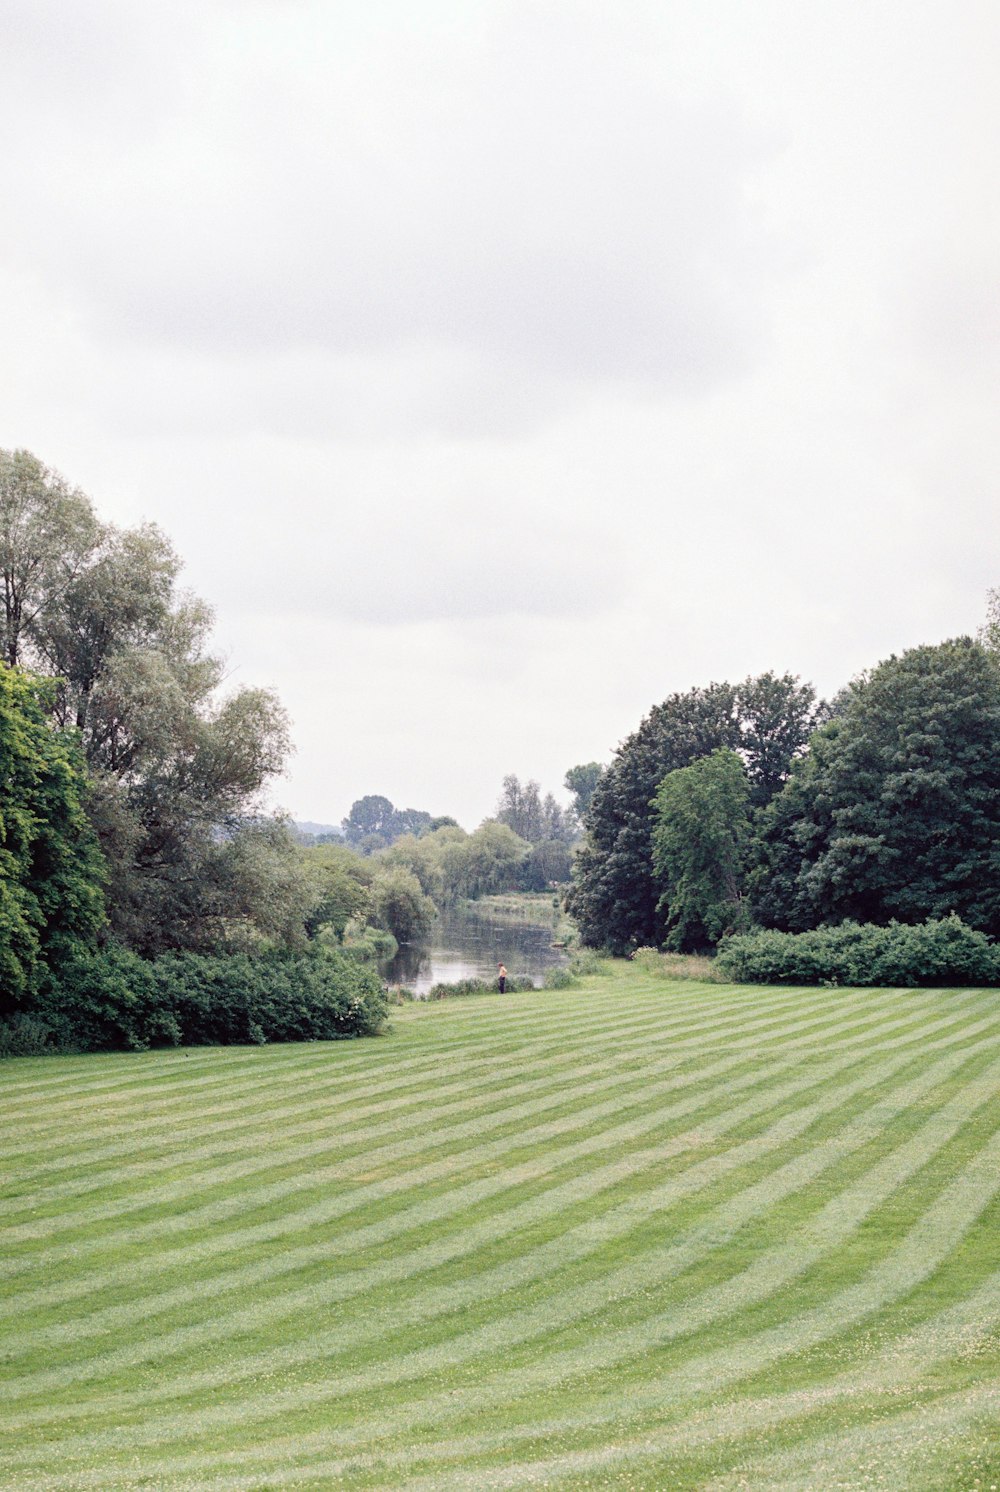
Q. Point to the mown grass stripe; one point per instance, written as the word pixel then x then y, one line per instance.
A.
pixel 216 1212
pixel 731 1216
pixel 353 1201
pixel 413 1073
pixel 569 1317
pixel 550 1067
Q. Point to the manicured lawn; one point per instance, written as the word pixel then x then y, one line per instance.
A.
pixel 634 1234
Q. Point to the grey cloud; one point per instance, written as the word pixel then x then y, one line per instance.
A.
pixel 527 201
pixel 425 562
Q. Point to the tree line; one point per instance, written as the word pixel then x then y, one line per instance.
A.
pixel 130 784
pixel 757 806
pixel 131 827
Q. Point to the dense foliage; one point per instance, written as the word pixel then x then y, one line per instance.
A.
pixel 895 811
pixel 700 836
pixel 615 898
pixel 51 872
pixel 943 952
pixel 175 771
pixel 116 999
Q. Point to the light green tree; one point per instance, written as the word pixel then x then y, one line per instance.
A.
pixel 700 835
pixel 51 872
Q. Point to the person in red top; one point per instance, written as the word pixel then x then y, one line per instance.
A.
pixel 502 977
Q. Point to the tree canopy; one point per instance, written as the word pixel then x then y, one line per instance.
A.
pixel 700 836
pixel 176 769
pixel 767 720
pixel 895 811
pixel 51 871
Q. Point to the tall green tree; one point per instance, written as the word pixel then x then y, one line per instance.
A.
pixel 614 897
pixel 700 838
pixel 48 533
pixel 51 871
pixel 176 770
pixel 895 811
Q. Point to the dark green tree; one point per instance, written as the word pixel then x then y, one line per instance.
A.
pixel 614 897
pixel 895 811
pixel 371 818
pixel 51 871
pixel 700 836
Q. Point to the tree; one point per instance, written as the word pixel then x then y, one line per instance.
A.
pixel 371 818
pixel 520 808
pixel 51 872
pixel 492 860
pixel 531 817
pixel 340 882
pixel 989 632
pixel 548 863
pixel 176 772
pixel 895 812
pixel 582 783
pixel 48 531
pixel 400 906
pixel 614 897
pixel 700 836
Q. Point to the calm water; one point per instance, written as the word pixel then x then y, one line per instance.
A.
pixel 468 943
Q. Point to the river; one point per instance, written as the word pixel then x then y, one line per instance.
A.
pixel 468 941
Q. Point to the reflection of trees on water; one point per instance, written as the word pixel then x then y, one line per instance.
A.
pixel 468 943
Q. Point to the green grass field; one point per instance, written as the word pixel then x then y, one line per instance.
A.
pixel 635 1234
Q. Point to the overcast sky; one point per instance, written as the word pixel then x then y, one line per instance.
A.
pixel 499 368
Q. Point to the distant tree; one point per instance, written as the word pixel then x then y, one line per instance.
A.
pixel 582 783
pixel 374 823
pixel 895 811
pixel 614 897
pixel 559 825
pixel 51 871
pixel 492 859
pixel 548 863
pixel 700 838
pixel 400 906
pixel 339 880
pixel 371 818
pixel 520 808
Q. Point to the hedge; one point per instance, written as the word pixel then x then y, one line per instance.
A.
pixel 943 952
pixel 116 1000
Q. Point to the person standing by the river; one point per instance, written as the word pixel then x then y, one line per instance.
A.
pixel 502 977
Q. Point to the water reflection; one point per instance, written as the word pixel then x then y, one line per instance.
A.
pixel 467 943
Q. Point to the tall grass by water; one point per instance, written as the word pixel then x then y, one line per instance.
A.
pixel 632 1234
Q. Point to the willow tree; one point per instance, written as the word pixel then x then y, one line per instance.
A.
pixel 176 768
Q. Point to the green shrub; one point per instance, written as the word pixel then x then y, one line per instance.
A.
pixel 27 1036
pixel 697 966
pixel 365 944
pixel 559 978
pixel 115 1000
pixel 585 961
pixel 937 952
pixel 515 986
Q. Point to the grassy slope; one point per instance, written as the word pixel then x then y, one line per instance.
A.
pixel 636 1234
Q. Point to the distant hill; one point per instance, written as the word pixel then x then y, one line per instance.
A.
pixel 305 827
